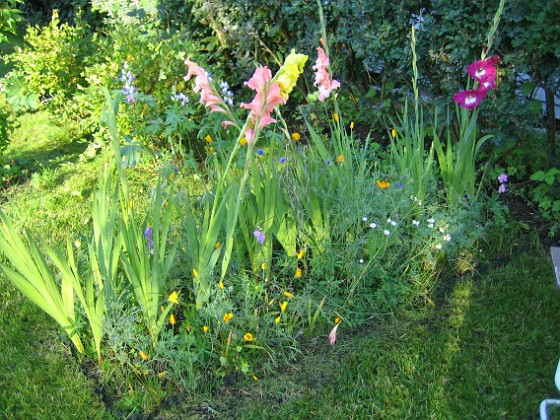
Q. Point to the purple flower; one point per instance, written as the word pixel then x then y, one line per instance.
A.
pixel 502 178
pixel 502 189
pixel 149 239
pixel 260 152
pixel 259 235
pixel 282 160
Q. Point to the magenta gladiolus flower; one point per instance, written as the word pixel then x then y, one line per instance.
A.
pixel 469 98
pixel 485 72
pixel 323 79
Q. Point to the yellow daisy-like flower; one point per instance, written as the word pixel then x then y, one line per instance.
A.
pixel 263 266
pixel 172 319
pixel 217 245
pixel 337 320
pixel 227 317
pixel 300 254
pixel 248 337
pixel 144 355
pixel 284 306
pixel 172 176
pixel 195 272
pixel 393 133
pixel 288 74
pixel 211 150
pixel 205 328
pixel 296 137
pixel 335 117
pixel 352 125
pixel 288 295
pixel 221 284
pixel 174 298
pixel 243 141
pixel 299 273
pixel 208 138
pixel 340 158
pixel 278 319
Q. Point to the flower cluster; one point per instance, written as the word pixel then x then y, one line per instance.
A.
pixel 181 98
pixel 484 72
pixel 226 93
pixel 149 239
pixel 288 74
pixel 502 178
pixel 323 80
pixel 202 83
pixel 129 90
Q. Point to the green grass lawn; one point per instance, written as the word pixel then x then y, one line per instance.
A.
pixel 487 349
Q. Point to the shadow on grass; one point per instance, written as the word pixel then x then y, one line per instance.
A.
pixel 489 351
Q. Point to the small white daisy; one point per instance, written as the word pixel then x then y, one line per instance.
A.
pixel 447 238
pixel 372 225
pixel 416 223
pixel 386 232
pixel 438 246
pixel 364 219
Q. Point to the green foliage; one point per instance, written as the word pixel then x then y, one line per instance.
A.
pixel 50 64
pixel 546 195
pixel 9 17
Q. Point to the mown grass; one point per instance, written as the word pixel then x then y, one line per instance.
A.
pixel 488 349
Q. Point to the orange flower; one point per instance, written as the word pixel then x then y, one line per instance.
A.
pixel 172 176
pixel 296 136
pixel 211 150
pixel 340 158
pixel 335 117
pixel 227 317
pixel 382 184
pixel 208 138
pixel 217 245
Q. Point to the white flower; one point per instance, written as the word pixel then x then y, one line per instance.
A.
pixel 361 260
pixel 386 232
pixel 447 238
pixel 438 246
pixel 393 223
pixel 372 225
pixel 416 223
pixel 430 220
pixel 364 219
pixel 430 225
pixel 389 221
pixel 442 230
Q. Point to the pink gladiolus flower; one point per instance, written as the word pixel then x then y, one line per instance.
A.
pixel 332 335
pixel 323 79
pixel 267 98
pixel 202 85
pixel 469 98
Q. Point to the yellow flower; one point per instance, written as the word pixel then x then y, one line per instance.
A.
pixel 288 74
pixel 284 306
pixel 144 355
pixel 172 176
pixel 205 328
pixel 172 319
pixel 173 298
pixel 299 273
pixel 161 375
pixel 393 133
pixel 131 204
pixel 217 245
pixel 221 284
pixel 382 184
pixel 211 150
pixel 227 317
pixel 243 141
pixel 335 117
pixel 255 378
pixel 278 319
pixel 195 273
pixel 340 158
pixel 288 295
pixel 208 138
pixel 263 266
pixel 352 125
pixel 337 320
pixel 300 254
pixel 296 136
pixel 248 337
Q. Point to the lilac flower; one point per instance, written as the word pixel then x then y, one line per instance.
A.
pixel 502 178
pixel 259 234
pixel 502 189
pixel 129 90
